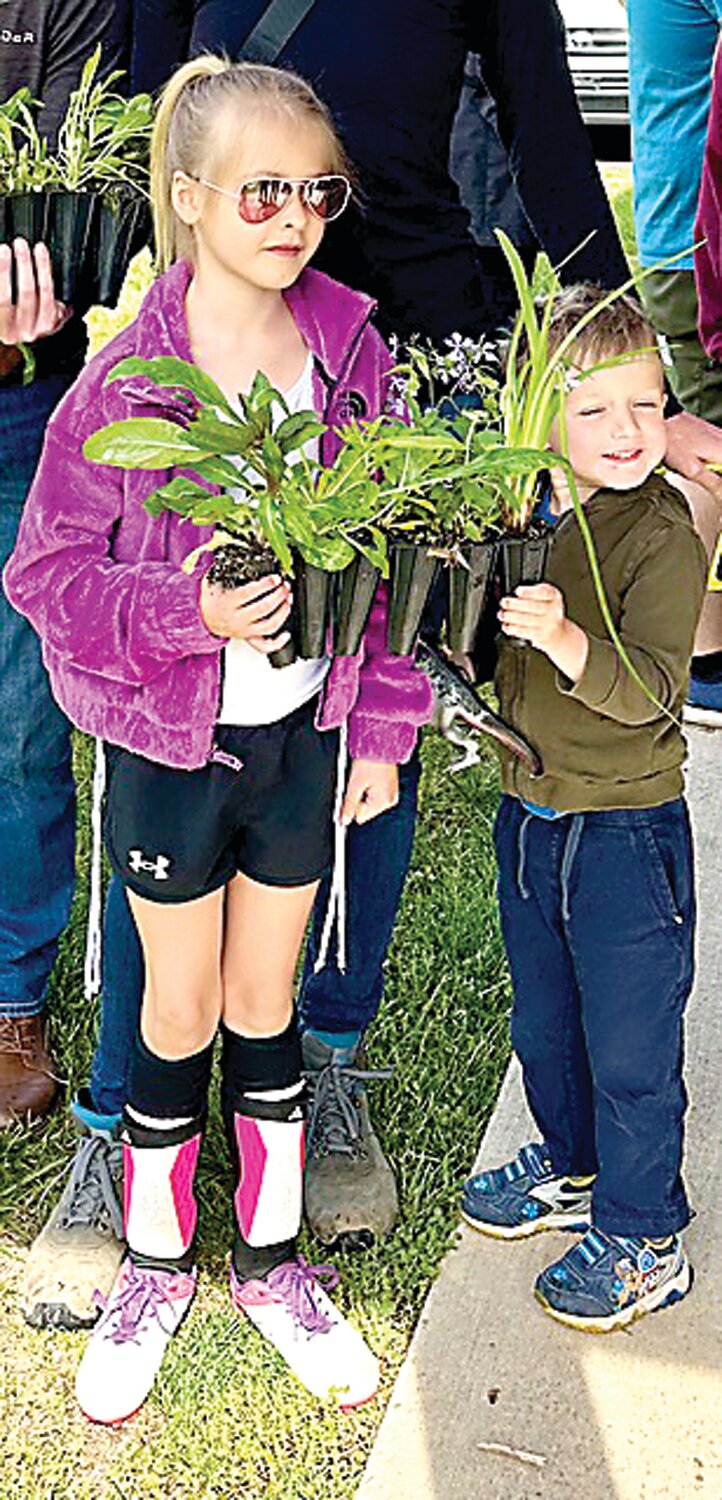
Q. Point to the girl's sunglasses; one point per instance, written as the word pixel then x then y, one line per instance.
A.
pixel 261 198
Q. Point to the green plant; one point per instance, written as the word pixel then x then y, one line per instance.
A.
pixel 440 479
pixel 532 398
pixel 448 473
pixel 269 492
pixel 103 140
pixel 25 162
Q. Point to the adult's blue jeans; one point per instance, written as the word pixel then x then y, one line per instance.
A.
pixel 123 976
pixel 598 913
pixel 378 859
pixel 37 795
pixel 671 51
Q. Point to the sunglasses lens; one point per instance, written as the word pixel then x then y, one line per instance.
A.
pixel 262 198
pixel 327 196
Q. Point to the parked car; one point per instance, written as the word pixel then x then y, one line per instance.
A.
pixel 598 53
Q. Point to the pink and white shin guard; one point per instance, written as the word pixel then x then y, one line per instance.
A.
pixel 268 1133
pixel 159 1204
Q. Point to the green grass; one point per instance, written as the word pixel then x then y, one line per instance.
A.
pixel 225 1421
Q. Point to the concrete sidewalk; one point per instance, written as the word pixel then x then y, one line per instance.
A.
pixel 635 1415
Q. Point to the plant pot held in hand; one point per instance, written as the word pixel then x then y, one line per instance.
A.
pixel 469 584
pixel 523 557
pixel 246 561
pixel 69 236
pixel 413 570
pixel 121 230
pixel 312 608
pixel 355 591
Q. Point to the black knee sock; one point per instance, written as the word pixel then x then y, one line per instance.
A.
pixel 166 1089
pixel 162 1132
pixel 262 1097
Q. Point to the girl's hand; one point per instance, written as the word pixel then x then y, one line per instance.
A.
pixel 253 613
pixel 36 314
pixel 536 613
pixel 372 788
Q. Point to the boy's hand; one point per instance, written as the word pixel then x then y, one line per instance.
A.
pixel 36 314
pixel 372 789
pixel 253 612
pixel 535 613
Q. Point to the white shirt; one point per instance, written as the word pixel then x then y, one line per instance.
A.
pixel 254 692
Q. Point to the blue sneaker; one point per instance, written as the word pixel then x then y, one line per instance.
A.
pixel 606 1281
pixel 525 1196
pixel 704 703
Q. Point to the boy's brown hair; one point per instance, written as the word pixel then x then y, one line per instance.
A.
pixel 620 327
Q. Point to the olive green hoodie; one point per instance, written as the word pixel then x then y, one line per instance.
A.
pixel 602 742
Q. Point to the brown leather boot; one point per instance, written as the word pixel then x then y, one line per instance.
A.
pixel 28 1085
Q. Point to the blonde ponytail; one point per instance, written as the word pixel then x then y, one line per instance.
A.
pixel 163 156
pixel 182 134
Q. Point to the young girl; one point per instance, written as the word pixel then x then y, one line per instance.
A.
pixel 219 816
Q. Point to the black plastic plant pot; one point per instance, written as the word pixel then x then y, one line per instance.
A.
pixel 355 592
pixel 69 239
pixel 120 232
pixel 285 656
pixel 468 592
pixel 523 559
pixel 25 215
pixel 312 603
pixel 413 572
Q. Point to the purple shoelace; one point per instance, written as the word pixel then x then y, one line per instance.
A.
pixel 143 1295
pixel 294 1283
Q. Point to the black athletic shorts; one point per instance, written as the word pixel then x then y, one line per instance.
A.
pixel 174 835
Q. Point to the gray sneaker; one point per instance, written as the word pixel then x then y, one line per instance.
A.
pixel 74 1260
pixel 350 1195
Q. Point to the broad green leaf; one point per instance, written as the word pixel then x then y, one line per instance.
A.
pixel 273 531
pixel 168 372
pixel 272 457
pixel 297 430
pixel 331 553
pixel 233 438
pixel 143 443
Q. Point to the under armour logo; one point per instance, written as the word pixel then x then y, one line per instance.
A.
pixel 157 867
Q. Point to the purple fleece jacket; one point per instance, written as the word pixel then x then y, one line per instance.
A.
pixel 129 656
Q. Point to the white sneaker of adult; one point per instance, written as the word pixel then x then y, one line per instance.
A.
pixel 290 1307
pixel 125 1350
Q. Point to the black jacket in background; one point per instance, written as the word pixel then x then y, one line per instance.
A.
pixel 391 72
pixel 44 44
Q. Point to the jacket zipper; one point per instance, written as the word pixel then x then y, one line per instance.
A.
pixel 331 387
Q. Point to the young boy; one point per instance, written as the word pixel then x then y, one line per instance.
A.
pixel 595 861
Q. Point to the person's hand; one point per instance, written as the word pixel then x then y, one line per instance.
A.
pixel 536 613
pixel 692 444
pixel 372 788
pixel 253 613
pixel 36 314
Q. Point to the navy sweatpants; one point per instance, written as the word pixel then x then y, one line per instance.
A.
pixel 598 913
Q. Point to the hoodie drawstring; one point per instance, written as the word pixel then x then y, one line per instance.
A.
pixel 571 846
pixel 336 908
pixel 92 973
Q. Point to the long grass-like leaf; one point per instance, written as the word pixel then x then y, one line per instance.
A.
pixel 598 581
